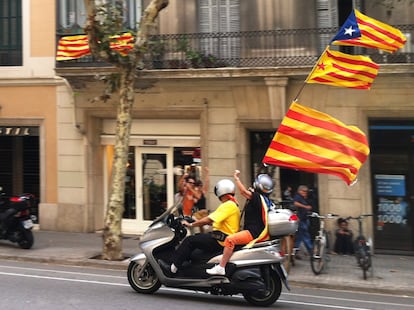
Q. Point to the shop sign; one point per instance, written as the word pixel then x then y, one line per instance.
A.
pixel 19 131
pixel 391 200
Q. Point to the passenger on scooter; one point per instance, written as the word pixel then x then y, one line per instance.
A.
pixel 255 229
pixel 225 221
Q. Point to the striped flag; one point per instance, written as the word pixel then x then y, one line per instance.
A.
pixel 343 70
pixel 73 47
pixel 361 30
pixel 316 142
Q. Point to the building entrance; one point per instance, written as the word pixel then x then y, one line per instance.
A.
pixel 19 161
pixel 392 174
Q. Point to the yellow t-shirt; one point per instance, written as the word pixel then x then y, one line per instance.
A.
pixel 226 218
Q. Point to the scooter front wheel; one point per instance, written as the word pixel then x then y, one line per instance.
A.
pixel 269 297
pixel 143 279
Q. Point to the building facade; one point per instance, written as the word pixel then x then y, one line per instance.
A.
pixel 219 78
pixel 28 96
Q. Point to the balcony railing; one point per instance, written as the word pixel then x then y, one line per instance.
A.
pixel 272 48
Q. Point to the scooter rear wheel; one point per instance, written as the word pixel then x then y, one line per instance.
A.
pixel 26 239
pixel 143 279
pixel 272 293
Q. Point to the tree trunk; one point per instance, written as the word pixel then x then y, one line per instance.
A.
pixel 112 236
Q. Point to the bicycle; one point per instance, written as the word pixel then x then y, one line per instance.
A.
pixel 320 256
pixel 362 246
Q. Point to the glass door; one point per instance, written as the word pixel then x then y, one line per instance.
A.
pixel 155 182
pixel 151 181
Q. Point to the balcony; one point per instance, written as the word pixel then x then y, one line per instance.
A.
pixel 272 48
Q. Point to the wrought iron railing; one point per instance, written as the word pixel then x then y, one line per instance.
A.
pixel 272 48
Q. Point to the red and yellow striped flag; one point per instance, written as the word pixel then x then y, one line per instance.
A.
pixel 343 70
pixel 73 47
pixel 362 30
pixel 316 142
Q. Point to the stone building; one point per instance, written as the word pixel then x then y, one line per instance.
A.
pixel 219 80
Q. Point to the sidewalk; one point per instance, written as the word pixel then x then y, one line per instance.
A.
pixel 392 274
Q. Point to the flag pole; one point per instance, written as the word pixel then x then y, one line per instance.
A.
pixel 313 69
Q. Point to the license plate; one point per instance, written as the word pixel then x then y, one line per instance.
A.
pixel 27 224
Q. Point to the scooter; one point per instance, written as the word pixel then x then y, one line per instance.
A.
pixel 15 220
pixel 255 272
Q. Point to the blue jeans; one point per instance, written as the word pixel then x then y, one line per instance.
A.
pixel 302 235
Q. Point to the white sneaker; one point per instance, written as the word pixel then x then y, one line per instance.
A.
pixel 217 270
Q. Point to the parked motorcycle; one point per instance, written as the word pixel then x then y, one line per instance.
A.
pixel 15 220
pixel 256 273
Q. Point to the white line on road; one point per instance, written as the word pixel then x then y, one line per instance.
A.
pixel 61 271
pixel 60 279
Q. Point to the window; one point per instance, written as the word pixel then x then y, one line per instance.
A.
pixel 72 15
pixel 11 33
pixel 220 16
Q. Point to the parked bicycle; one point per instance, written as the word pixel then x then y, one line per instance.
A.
pixel 362 246
pixel 319 257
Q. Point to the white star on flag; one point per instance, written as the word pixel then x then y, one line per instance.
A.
pixel 349 31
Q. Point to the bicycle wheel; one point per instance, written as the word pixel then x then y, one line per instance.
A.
pixel 286 248
pixel 365 263
pixel 318 257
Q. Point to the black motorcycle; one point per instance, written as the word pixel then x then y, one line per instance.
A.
pixel 15 219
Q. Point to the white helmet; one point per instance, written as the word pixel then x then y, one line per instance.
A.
pixel 224 187
pixel 263 184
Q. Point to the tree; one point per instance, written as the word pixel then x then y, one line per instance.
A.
pixel 103 22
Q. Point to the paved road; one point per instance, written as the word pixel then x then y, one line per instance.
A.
pixel 393 274
pixel 50 287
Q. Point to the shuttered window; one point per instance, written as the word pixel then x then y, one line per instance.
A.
pixel 220 16
pixel 72 15
pixel 11 33
pixel 327 17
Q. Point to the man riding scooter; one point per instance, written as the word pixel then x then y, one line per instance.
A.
pixel 225 221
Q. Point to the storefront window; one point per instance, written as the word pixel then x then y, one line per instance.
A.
pixel 392 170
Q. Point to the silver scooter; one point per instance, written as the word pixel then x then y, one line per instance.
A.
pixel 256 273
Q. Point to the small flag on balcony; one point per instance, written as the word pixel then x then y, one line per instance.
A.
pixel 73 47
pixel 361 30
pixel 316 142
pixel 344 70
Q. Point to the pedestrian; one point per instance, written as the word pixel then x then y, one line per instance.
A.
pixel 189 194
pixel 225 221
pixel 287 198
pixel 344 237
pixel 255 228
pixel 202 188
pixel 303 206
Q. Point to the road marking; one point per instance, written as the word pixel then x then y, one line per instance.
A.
pixel 349 299
pixel 61 271
pixel 60 279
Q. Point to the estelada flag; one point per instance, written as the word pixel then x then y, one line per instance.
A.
pixel 339 69
pixel 315 142
pixel 362 30
pixel 73 47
